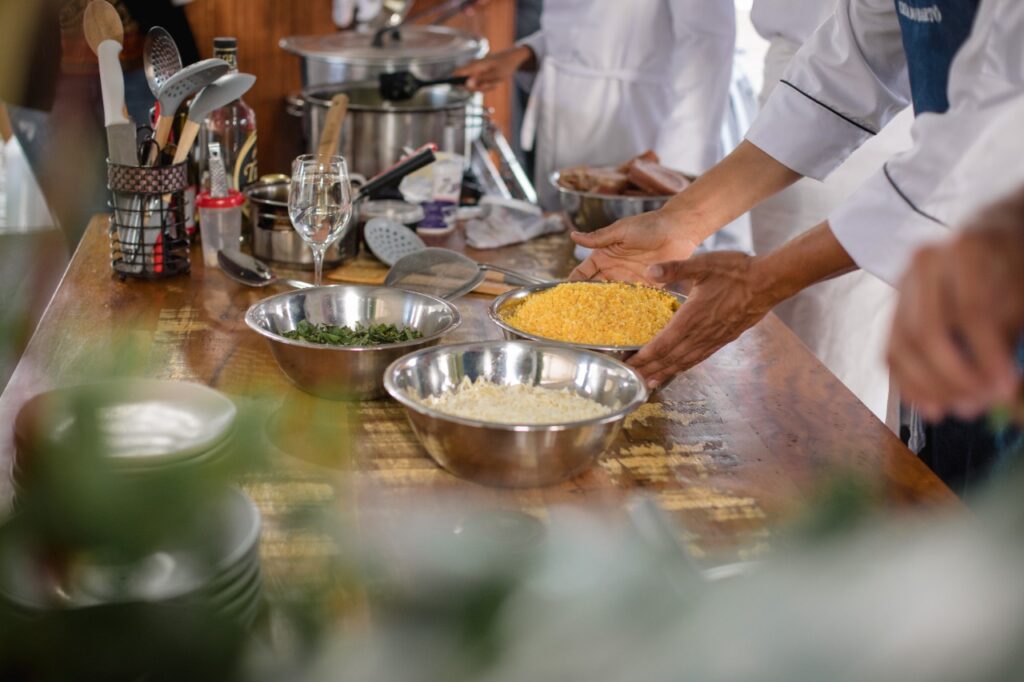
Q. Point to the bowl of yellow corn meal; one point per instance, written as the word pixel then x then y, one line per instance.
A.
pixel 614 318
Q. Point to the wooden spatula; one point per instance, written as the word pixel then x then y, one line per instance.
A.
pixel 331 134
pixel 100 22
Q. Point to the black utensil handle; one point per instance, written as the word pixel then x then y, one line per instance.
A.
pixel 424 156
pixel 454 80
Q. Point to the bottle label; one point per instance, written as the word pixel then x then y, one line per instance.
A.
pixel 230 56
pixel 246 170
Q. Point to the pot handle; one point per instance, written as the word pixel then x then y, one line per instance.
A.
pixel 294 105
pixel 424 156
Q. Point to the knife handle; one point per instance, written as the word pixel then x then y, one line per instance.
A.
pixel 112 82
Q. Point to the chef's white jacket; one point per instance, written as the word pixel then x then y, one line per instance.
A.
pixel 617 78
pixel 792 20
pixel 849 80
pixel 991 169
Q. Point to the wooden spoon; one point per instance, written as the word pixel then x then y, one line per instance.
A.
pixel 102 22
pixel 331 134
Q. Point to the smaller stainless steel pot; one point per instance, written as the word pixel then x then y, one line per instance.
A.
pixel 275 240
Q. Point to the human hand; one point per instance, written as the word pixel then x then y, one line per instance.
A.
pixel 490 72
pixel 729 295
pixel 625 250
pixel 959 317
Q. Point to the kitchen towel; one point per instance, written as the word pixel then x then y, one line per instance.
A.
pixel 507 221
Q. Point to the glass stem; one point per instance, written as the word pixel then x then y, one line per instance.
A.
pixel 318 265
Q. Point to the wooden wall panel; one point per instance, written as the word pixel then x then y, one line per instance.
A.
pixel 260 24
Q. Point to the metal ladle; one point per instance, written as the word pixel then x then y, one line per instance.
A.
pixel 252 272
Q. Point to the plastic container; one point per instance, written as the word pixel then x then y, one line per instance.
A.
pixel 220 223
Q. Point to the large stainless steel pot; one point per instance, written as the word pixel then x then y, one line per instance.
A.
pixel 427 51
pixel 376 131
pixel 275 240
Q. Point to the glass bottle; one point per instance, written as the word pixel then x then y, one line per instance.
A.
pixel 233 126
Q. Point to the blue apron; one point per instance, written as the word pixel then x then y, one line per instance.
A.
pixel 933 31
pixel 961 453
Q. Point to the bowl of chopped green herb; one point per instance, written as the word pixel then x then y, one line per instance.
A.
pixel 336 341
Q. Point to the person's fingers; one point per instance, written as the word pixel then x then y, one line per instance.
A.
pixel 600 239
pixel 973 304
pixel 585 271
pixel 929 333
pixel 678 271
pixel 656 356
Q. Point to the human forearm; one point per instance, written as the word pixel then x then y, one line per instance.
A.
pixel 812 257
pixel 742 180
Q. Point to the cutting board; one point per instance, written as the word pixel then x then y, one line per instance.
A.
pixel 368 270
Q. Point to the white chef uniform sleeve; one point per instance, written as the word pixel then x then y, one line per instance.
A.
pixel 846 82
pixel 690 138
pixel 536 42
pixel 898 210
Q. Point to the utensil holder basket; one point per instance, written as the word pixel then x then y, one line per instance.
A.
pixel 148 235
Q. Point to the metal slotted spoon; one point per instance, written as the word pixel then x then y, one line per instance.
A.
pixel 161 58
pixel 390 240
pixel 447 274
pixel 180 87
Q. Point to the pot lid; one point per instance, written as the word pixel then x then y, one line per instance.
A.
pixel 417 43
pixel 366 96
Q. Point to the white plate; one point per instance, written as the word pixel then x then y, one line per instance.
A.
pixel 176 571
pixel 143 421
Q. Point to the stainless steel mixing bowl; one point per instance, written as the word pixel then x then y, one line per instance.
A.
pixel 347 372
pixel 590 211
pixel 521 455
pixel 503 305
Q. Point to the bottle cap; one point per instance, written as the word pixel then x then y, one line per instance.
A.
pixel 234 199
pixel 225 43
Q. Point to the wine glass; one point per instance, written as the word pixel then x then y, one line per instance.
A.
pixel 320 203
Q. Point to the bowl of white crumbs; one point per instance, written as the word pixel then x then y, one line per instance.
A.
pixel 515 413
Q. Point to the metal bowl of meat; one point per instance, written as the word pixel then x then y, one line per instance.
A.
pixel 348 372
pixel 503 306
pixel 596 196
pixel 538 413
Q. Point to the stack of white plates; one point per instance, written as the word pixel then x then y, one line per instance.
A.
pixel 213 565
pixel 146 425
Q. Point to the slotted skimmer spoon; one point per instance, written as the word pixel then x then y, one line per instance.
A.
pixel 390 240
pixel 447 274
pixel 160 58
pixel 180 87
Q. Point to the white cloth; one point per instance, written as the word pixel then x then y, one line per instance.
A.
pixel 849 80
pixel 619 78
pixel 844 321
pixel 507 221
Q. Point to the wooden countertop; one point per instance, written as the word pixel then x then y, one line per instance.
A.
pixel 729 449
